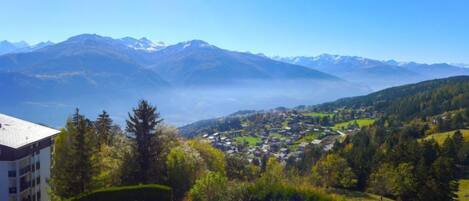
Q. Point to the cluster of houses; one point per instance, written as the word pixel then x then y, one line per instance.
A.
pixel 281 134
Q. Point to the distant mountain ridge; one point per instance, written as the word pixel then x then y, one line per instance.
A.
pixel 188 63
pixel 375 73
pixel 198 62
pixel 7 47
pixel 191 62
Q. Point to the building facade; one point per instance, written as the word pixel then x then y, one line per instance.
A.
pixel 25 159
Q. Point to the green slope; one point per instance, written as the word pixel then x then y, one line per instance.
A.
pixel 441 137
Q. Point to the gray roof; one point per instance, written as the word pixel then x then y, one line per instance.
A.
pixel 16 133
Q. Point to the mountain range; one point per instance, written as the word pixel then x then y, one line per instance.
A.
pixel 375 73
pixel 189 80
pixel 96 58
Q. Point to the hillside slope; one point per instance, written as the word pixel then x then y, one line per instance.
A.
pixel 414 100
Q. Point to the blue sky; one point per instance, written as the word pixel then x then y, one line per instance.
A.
pixel 423 31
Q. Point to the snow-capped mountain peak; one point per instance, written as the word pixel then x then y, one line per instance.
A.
pixel 143 44
pixel 195 43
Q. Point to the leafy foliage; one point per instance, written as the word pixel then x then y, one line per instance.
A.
pixel 333 171
pixel 185 165
pixel 213 158
pixel 211 187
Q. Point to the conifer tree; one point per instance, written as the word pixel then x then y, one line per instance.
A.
pixel 103 126
pixel 142 124
pixel 82 149
pixel 73 166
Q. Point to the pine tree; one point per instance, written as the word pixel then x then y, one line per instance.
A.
pixel 82 150
pixel 142 124
pixel 449 149
pixel 72 165
pixel 103 126
pixel 458 139
pixel 443 172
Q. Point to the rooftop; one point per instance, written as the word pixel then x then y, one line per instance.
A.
pixel 16 133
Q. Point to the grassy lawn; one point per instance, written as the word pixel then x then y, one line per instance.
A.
pixel 249 139
pixel 440 137
pixel 276 135
pixel 317 114
pixel 360 122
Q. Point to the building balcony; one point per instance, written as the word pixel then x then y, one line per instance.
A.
pixel 26 199
pixel 24 186
pixel 25 169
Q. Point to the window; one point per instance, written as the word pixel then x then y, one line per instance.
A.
pixel 38 195
pixel 12 173
pixel 38 165
pixel 12 190
pixel 38 180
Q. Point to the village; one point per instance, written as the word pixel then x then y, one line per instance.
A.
pixel 284 133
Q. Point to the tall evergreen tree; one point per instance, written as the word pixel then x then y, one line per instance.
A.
pixel 103 126
pixel 73 166
pixel 142 124
pixel 82 150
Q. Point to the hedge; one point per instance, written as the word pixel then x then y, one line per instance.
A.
pixel 151 192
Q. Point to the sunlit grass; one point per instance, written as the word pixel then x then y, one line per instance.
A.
pixel 249 139
pixel 441 137
pixel 318 114
pixel 463 193
pixel 361 123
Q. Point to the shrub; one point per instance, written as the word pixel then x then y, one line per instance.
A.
pixel 211 187
pixel 184 167
pixel 333 171
pixel 151 192
pixel 284 191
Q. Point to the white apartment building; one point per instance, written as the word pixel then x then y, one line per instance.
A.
pixel 25 159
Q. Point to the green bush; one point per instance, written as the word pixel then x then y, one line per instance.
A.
pixel 283 191
pixel 151 192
